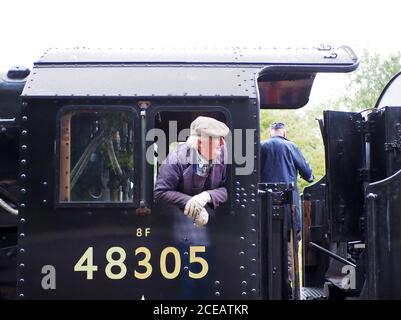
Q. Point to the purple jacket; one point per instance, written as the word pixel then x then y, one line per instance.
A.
pixel 177 183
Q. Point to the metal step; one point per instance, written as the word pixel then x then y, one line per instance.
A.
pixel 312 293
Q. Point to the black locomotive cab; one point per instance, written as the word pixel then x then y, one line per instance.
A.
pixel 95 127
pixel 351 216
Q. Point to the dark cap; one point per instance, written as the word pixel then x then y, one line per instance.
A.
pixel 277 125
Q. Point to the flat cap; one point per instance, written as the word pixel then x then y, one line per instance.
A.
pixel 206 126
pixel 277 125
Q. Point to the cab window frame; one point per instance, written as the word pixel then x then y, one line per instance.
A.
pixel 154 110
pixel 134 203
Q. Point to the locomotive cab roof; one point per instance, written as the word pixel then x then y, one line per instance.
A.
pixel 231 72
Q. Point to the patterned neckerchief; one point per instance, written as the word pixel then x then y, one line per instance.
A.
pixel 203 165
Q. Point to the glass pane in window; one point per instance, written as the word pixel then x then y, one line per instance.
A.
pixel 96 156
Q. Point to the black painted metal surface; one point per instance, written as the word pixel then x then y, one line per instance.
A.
pixel 385 144
pixel 345 163
pixel 11 86
pixel 384 238
pixel 59 236
pixel 274 198
pixel 342 56
pixel 174 72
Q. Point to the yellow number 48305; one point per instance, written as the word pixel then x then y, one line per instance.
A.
pixel 116 268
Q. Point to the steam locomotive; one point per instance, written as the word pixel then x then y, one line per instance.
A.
pixel 82 136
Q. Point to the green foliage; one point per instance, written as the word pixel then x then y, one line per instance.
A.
pixel 367 83
pixel 363 89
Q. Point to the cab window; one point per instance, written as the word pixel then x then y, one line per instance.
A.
pixel 176 128
pixel 96 156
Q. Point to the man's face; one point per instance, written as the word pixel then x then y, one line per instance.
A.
pixel 210 147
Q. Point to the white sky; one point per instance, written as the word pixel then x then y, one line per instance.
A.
pixel 30 27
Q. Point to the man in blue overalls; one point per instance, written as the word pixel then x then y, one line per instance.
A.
pixel 281 160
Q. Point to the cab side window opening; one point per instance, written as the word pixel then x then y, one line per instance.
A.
pixel 96 156
pixel 183 120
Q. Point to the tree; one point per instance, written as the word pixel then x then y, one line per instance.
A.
pixel 367 83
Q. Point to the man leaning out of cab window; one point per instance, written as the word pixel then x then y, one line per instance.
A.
pixel 193 176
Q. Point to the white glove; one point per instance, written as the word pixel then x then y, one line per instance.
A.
pixel 203 198
pixel 202 218
pixel 196 204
